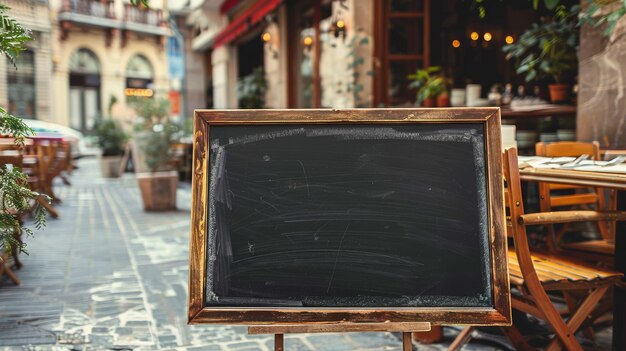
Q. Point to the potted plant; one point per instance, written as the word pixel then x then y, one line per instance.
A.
pixel 152 155
pixel 429 84
pixel 251 89
pixel 112 140
pixel 548 51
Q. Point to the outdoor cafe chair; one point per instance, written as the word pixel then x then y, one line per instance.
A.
pixel 601 250
pixel 535 276
pixel 34 165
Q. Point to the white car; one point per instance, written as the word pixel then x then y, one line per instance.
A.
pixel 80 148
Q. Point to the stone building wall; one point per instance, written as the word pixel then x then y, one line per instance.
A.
pixel 602 87
pixel 32 14
pixel 112 57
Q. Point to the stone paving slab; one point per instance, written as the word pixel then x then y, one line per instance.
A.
pixel 108 276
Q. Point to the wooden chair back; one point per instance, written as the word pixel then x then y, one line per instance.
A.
pixel 582 197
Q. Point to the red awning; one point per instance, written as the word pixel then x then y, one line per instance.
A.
pixel 227 5
pixel 241 24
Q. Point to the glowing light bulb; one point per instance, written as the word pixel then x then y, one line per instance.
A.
pixel 474 36
pixel 509 39
pixel 487 36
pixel 266 37
pixel 456 43
pixel 307 41
pixel 341 24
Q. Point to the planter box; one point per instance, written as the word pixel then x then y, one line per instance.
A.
pixel 158 190
pixel 110 166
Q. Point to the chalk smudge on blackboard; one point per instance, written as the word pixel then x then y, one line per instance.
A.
pixel 306 179
pixel 259 137
pixel 220 255
pixel 332 276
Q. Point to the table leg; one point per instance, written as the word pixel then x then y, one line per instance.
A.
pixel 279 342
pixel 619 308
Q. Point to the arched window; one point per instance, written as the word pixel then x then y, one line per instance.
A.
pixel 139 67
pixel 84 89
pixel 84 61
pixel 139 77
pixel 21 85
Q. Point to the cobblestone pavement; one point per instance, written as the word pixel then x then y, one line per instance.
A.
pixel 108 276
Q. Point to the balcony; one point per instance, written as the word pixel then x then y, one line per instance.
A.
pixel 89 12
pixel 102 14
pixel 148 21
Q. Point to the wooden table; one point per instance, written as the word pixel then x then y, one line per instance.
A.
pixel 605 180
pixel 553 111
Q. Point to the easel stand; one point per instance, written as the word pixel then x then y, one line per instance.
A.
pixel 280 330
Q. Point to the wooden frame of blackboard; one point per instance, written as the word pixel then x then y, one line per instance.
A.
pixel 498 314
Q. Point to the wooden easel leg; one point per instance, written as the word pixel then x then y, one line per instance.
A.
pixel 407 343
pixel 279 344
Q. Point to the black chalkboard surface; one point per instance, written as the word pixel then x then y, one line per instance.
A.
pixel 348 215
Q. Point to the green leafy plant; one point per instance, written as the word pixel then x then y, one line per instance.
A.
pixel 15 196
pixel 158 132
pixel 150 112
pixel 145 3
pixel 15 199
pixel 111 137
pixel 606 13
pixel 429 83
pixel 355 86
pixel 251 89
pixel 547 50
pixel 158 144
pixel 481 8
pixel 13 35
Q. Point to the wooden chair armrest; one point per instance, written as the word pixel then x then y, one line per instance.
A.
pixel 570 216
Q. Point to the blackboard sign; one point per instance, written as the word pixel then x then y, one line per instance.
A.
pixel 358 216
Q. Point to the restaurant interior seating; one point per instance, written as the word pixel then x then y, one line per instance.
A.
pixel 536 277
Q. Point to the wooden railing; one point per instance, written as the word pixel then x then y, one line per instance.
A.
pixel 96 8
pixel 144 16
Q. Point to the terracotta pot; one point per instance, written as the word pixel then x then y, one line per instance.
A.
pixel 443 100
pixel 158 190
pixel 559 92
pixel 430 102
pixel 110 166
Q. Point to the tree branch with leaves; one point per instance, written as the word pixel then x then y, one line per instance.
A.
pixel 15 196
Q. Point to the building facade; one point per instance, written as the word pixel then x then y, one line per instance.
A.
pixel 313 53
pixel 103 53
pixel 351 53
pixel 25 89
